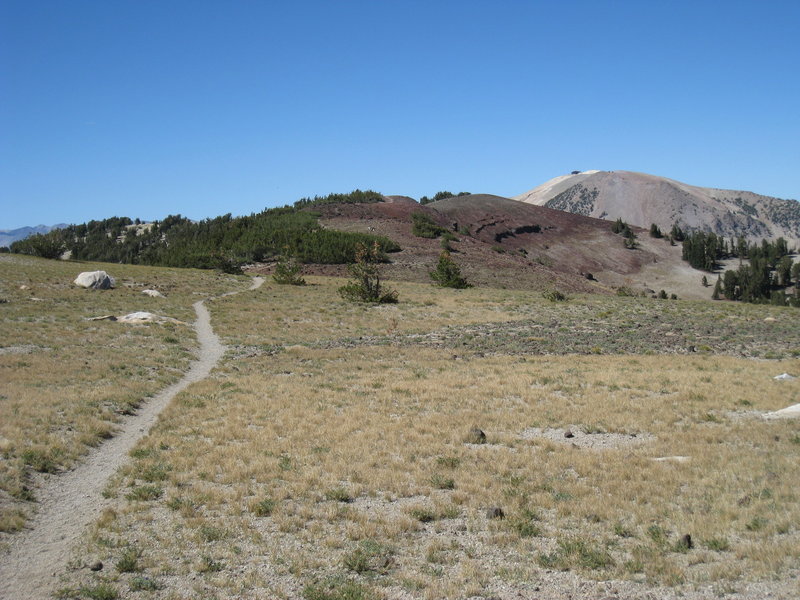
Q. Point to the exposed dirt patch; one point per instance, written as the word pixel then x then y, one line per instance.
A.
pixel 575 436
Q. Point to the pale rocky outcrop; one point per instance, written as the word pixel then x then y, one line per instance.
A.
pixel 137 317
pixel 96 280
pixel 146 317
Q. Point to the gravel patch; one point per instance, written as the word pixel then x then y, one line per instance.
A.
pixel 22 349
pixel 576 437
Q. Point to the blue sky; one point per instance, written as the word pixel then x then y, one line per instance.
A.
pixel 150 108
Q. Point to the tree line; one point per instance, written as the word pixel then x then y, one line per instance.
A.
pixel 443 195
pixel 224 242
pixel 703 250
pixel 769 270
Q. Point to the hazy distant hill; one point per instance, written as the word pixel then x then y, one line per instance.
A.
pixel 642 199
pixel 9 236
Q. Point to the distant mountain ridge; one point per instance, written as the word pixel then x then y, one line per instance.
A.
pixel 9 236
pixel 641 199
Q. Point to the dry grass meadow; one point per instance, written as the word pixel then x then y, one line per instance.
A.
pixel 65 381
pixel 331 455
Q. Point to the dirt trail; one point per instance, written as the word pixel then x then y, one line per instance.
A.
pixel 73 500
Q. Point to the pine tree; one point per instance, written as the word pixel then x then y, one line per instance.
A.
pixel 366 285
pixel 447 273
pixel 717 289
pixel 730 285
pixel 287 271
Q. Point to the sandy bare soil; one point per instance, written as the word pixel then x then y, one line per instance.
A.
pixel 73 500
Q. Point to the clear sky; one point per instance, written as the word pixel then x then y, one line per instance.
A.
pixel 148 108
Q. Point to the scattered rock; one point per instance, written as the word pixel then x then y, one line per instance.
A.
pixel 153 293
pixel 495 512
pixel 784 377
pixel 96 280
pixel 24 287
pixel 98 566
pixel 476 436
pixel 770 320
pixel 568 434
pixel 103 318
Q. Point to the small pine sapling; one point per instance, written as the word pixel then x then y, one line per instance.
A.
pixel 447 273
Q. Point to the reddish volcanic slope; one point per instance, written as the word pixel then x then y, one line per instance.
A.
pixel 503 243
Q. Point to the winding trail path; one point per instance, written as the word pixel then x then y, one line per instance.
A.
pixel 73 500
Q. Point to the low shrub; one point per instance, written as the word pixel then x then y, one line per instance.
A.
pixel 555 295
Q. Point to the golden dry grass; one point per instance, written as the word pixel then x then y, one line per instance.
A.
pixel 284 314
pixel 502 321
pixel 65 381
pixel 313 462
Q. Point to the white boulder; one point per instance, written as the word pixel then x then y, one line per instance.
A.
pixel 146 317
pixel 138 317
pixel 153 293
pixel 96 280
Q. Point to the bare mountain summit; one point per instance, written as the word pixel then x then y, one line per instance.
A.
pixel 641 199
